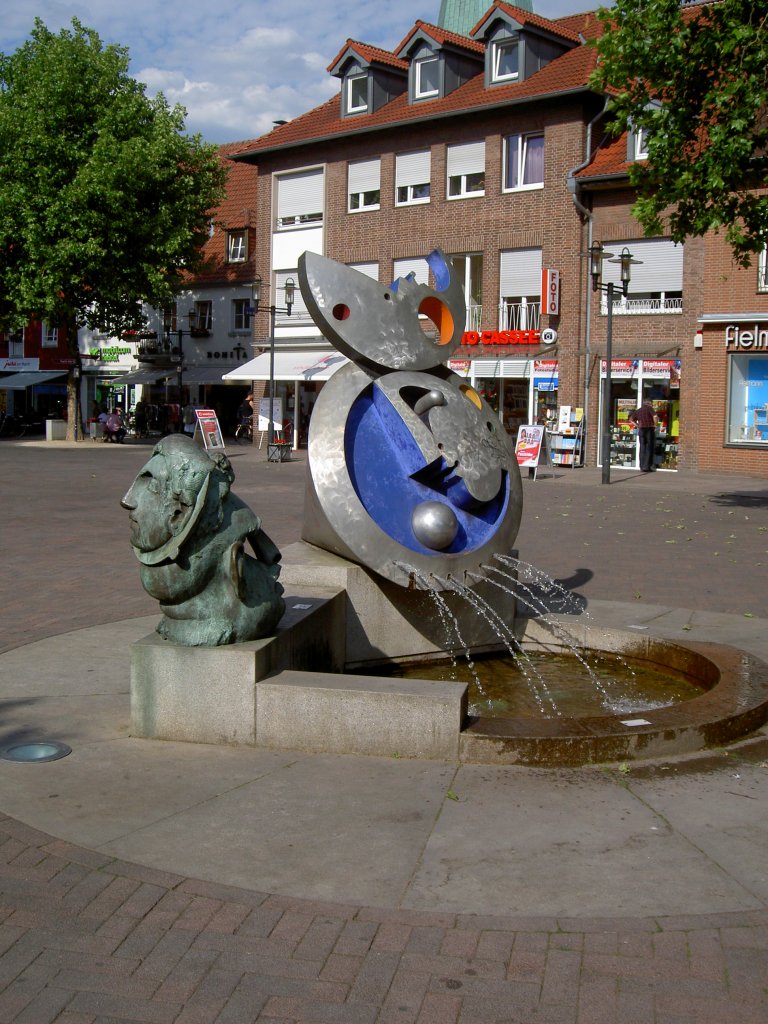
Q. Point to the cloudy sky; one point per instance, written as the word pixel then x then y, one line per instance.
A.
pixel 237 65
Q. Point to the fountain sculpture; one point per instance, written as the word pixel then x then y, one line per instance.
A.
pixel 412 507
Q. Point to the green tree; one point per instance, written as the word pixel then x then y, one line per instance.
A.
pixel 104 200
pixel 695 78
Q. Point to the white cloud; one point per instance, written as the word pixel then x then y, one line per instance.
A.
pixel 234 75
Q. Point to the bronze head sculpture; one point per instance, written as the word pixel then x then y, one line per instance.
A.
pixel 188 531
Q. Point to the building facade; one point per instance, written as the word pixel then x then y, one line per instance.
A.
pixel 492 146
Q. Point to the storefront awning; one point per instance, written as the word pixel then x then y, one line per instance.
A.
pixel 204 375
pixel 290 366
pixel 190 375
pixel 20 381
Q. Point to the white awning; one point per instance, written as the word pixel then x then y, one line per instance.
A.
pixel 20 381
pixel 290 366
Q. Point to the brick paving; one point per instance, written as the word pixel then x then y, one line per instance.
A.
pixel 87 939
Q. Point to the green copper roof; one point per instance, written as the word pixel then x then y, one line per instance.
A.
pixel 461 16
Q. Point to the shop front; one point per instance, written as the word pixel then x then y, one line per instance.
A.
pixel 634 381
pixel 747 388
pixel 519 391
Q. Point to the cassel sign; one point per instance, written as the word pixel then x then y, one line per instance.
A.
pixel 501 338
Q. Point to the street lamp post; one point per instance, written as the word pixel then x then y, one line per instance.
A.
pixel 77 373
pixel 597 254
pixel 180 343
pixel 290 293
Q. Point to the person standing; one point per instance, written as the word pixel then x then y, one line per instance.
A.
pixel 645 420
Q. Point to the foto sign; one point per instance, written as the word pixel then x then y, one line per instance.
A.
pixel 550 291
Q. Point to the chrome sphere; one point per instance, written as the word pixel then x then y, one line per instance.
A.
pixel 434 525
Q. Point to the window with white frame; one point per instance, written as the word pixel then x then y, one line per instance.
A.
pixel 237 246
pixel 300 199
pixel 656 282
pixel 520 287
pixel 466 170
pixel 203 318
pixel 639 144
pixel 49 336
pixel 363 185
pixel 416 266
pixel 357 94
pixel 412 173
pixel 523 161
pixel 426 78
pixel 470 267
pixel 369 269
pixel 16 344
pixel 299 312
pixel 241 315
pixel 504 60
pixel 762 271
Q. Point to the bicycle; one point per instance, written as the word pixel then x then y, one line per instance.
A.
pixel 244 431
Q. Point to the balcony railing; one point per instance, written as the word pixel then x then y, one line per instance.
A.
pixel 512 316
pixel 519 316
pixel 642 307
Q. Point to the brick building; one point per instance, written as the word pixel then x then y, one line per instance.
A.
pixel 488 142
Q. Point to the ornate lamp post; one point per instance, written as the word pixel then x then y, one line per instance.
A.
pixel 597 254
pixel 290 293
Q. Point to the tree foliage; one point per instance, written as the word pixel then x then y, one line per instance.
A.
pixel 103 199
pixel 695 77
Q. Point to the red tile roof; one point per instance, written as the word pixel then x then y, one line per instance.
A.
pixel 568 73
pixel 237 210
pixel 370 54
pixel 527 18
pixel 441 35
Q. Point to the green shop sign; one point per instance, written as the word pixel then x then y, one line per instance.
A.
pixel 110 355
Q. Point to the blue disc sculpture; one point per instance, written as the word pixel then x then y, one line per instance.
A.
pixel 412 474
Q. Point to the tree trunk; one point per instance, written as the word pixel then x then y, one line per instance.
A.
pixel 75 431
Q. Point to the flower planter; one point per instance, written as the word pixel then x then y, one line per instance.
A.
pixel 278 453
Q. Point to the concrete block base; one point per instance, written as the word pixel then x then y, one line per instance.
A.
pixel 208 694
pixel 347 714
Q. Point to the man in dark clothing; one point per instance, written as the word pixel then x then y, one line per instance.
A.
pixel 645 420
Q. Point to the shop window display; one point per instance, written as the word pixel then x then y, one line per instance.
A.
pixel 748 400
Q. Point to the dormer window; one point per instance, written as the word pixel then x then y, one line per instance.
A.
pixel 505 60
pixel 357 94
pixel 639 144
pixel 237 247
pixel 427 78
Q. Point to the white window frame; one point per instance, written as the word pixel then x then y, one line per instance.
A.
pixel 237 246
pixel 656 284
pixel 520 142
pixel 298 194
pixel 419 91
pixel 762 271
pixel 463 166
pixel 241 317
pixel 49 336
pixel 640 144
pixel 203 320
pixel 364 185
pixel 498 50
pixel 351 106
pixel 412 172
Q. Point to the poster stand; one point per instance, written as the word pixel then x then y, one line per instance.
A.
pixel 532 449
pixel 207 430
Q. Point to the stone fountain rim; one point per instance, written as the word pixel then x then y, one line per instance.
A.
pixel 734 705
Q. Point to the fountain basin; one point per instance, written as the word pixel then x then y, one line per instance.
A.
pixel 290 691
pixel 733 703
